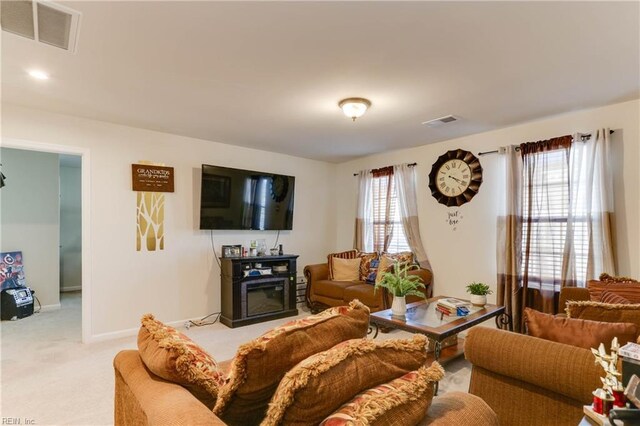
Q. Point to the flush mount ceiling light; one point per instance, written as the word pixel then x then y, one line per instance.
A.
pixel 39 75
pixel 354 107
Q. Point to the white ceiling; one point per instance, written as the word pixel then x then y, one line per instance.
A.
pixel 269 75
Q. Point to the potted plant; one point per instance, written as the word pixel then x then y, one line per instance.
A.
pixel 400 284
pixel 478 293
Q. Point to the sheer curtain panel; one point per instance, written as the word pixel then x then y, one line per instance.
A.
pixel 405 184
pixel 589 243
pixel 364 214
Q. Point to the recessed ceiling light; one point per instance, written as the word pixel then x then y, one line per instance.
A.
pixel 39 75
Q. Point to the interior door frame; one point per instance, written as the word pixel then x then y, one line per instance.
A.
pixel 85 156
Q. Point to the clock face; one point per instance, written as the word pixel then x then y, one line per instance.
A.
pixel 455 177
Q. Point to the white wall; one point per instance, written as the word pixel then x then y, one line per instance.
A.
pixel 183 280
pixel 70 228
pixel 30 218
pixel 469 253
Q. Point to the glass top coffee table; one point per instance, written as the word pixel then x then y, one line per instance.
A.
pixel 422 317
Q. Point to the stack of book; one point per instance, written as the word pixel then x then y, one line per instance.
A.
pixel 453 307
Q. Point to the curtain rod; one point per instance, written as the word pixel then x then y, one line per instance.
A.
pixel 583 137
pixel 410 165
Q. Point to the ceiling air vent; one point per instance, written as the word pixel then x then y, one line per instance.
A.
pixel 43 21
pixel 440 121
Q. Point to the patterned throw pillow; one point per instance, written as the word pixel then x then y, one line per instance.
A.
pixel 403 257
pixel 349 254
pixel 366 260
pixel 403 401
pixel 613 298
pixel 259 365
pixel 320 384
pixel 373 271
pixel 386 265
pixel 172 356
pixel 630 290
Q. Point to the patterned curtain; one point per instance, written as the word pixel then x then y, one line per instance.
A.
pixel 405 184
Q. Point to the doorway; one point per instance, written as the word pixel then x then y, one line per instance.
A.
pixel 83 305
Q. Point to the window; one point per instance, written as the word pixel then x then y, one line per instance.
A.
pixel 386 217
pixel 545 210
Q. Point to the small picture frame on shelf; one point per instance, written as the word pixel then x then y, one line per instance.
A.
pixel 232 250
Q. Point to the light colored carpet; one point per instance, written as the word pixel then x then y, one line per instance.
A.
pixel 49 377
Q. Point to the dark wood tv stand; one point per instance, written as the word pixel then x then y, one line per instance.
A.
pixel 249 298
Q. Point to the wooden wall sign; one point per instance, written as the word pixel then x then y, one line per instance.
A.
pixel 152 178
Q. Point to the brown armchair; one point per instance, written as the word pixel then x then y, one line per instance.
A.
pixel 530 381
pixel 322 293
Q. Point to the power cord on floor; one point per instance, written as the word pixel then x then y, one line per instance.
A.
pixel 39 305
pixel 201 322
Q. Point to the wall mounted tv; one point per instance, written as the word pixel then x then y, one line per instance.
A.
pixel 245 199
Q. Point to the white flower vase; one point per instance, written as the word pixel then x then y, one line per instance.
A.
pixel 399 306
pixel 478 300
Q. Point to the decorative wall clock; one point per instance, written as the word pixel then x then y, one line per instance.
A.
pixel 455 177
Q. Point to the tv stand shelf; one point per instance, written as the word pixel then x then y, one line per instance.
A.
pixel 257 289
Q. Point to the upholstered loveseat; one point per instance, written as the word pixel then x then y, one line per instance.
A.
pixel 323 291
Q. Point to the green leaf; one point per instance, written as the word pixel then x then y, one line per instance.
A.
pixel 400 283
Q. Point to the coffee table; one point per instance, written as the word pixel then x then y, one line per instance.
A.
pixel 422 317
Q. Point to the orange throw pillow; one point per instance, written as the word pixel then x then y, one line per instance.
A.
pixel 578 332
pixel 261 364
pixel 171 355
pixel 320 384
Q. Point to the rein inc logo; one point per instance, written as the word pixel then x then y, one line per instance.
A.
pixel 17 421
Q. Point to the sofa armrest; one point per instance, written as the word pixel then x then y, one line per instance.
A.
pixel 314 273
pixel 571 293
pixel 426 276
pixel 556 367
pixel 459 408
pixel 143 398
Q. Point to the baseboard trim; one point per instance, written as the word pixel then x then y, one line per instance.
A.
pixel 66 289
pixel 47 308
pixel 132 331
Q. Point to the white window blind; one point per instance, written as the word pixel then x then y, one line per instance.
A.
pixel 386 212
pixel 545 210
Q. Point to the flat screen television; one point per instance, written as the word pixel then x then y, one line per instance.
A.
pixel 245 199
